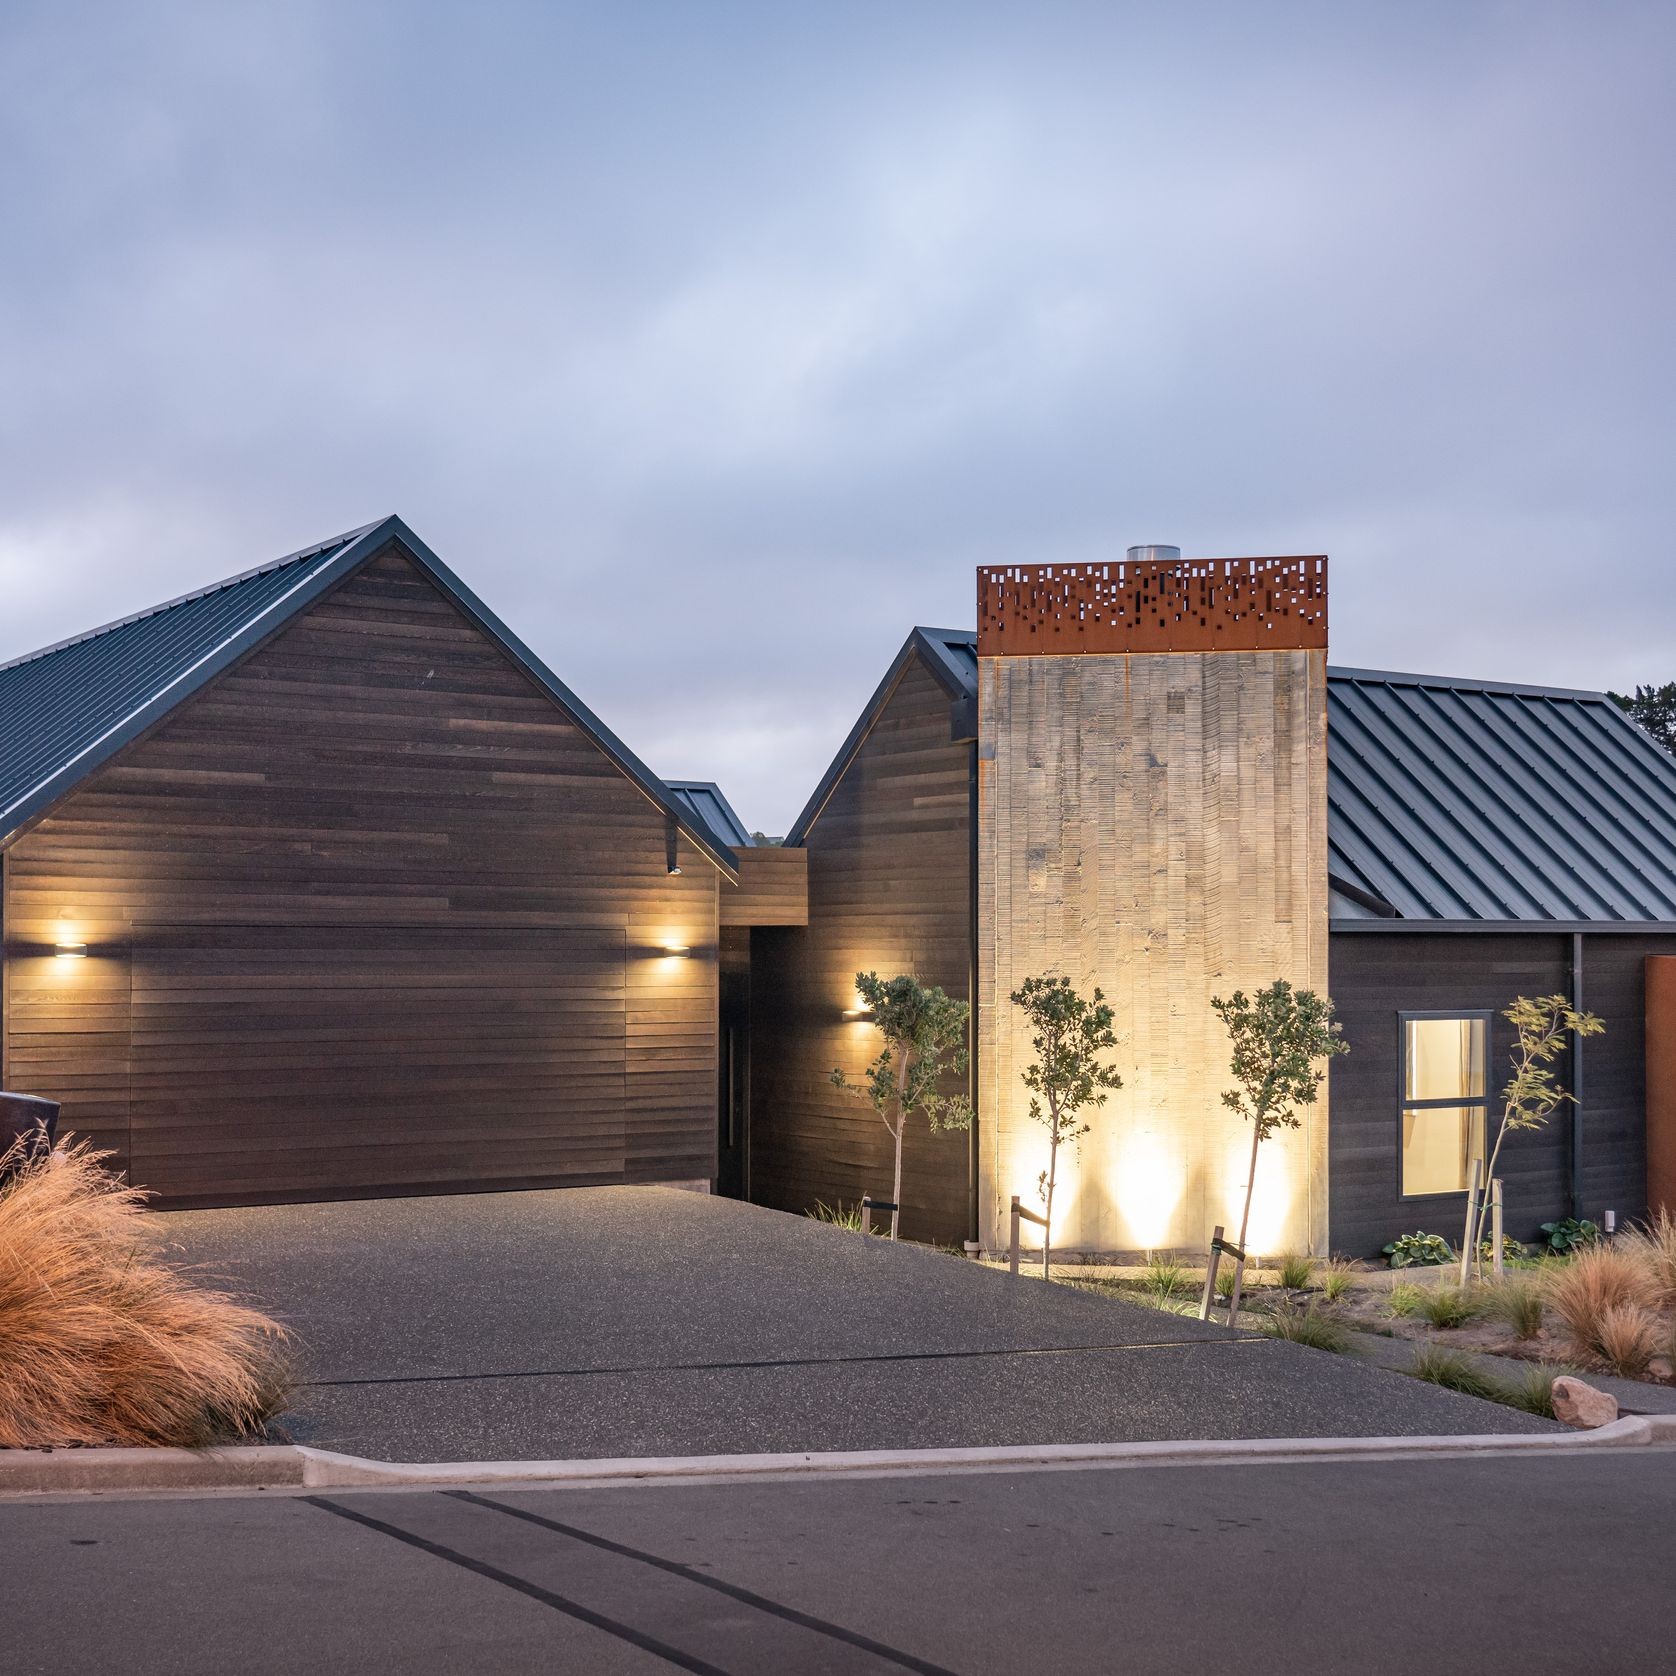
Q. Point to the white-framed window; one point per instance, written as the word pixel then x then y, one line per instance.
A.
pixel 1445 1078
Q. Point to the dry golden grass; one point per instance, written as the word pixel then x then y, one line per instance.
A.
pixel 1604 1296
pixel 103 1342
pixel 1653 1245
pixel 1626 1338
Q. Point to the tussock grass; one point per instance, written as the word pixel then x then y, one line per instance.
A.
pixel 1225 1282
pixel 1305 1324
pixel 1517 1303
pixel 1337 1277
pixel 1439 1365
pixel 1626 1338
pixel 1164 1276
pixel 1445 1306
pixel 1533 1391
pixel 1604 1298
pixel 1296 1270
pixel 1653 1245
pixel 101 1342
pixel 1405 1298
pixel 839 1215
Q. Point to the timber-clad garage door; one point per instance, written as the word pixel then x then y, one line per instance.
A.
pixel 280 1062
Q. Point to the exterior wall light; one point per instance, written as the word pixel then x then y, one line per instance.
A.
pixel 859 1015
pixel 66 950
pixel 676 949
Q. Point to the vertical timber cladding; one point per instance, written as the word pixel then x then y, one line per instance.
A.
pixel 1152 820
pixel 369 914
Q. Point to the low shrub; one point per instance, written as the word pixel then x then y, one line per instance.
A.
pixel 1517 1303
pixel 1305 1324
pixel 1604 1298
pixel 1418 1250
pixel 1225 1282
pixel 101 1341
pixel 1445 1306
pixel 1438 1365
pixel 1571 1233
pixel 1511 1250
pixel 1405 1298
pixel 1337 1277
pixel 1295 1270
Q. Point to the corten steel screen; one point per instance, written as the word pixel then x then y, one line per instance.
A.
pixel 1180 605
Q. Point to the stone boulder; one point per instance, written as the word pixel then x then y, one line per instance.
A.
pixel 1580 1404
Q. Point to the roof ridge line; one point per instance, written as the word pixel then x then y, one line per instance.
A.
pixel 331 543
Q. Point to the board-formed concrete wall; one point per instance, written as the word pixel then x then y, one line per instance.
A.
pixel 1155 824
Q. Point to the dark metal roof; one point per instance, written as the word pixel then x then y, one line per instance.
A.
pixel 951 656
pixel 68 708
pixel 1477 801
pixel 704 798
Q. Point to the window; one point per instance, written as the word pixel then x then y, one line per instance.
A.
pixel 1444 1072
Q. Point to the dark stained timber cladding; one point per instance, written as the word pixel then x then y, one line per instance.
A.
pixel 1374 978
pixel 368 915
pixel 889 860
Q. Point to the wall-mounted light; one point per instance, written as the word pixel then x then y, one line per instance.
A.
pixel 66 950
pixel 859 1014
pixel 675 949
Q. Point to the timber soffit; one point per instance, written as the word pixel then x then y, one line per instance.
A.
pixel 67 709
pixel 950 656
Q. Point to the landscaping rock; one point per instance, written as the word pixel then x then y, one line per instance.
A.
pixel 1580 1404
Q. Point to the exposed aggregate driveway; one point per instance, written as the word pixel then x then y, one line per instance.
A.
pixel 631 1321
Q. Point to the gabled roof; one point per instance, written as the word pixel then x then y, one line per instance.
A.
pixel 67 709
pixel 1473 800
pixel 951 656
pixel 704 798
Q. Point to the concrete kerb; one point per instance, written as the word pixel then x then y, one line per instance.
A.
pixel 54 1472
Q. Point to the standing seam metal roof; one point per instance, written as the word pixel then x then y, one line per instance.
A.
pixel 67 708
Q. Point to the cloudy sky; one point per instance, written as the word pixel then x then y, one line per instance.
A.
pixel 714 344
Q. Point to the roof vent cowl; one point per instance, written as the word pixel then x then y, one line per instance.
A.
pixel 1154 553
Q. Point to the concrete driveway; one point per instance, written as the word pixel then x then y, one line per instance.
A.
pixel 635 1321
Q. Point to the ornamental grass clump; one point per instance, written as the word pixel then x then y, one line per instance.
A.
pixel 1653 1245
pixel 1296 1271
pixel 1439 1365
pixel 1604 1299
pixel 1517 1303
pixel 1445 1306
pixel 102 1342
pixel 1305 1324
pixel 1337 1278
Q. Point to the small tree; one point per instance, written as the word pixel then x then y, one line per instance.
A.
pixel 925 1035
pixel 1278 1035
pixel 1067 1076
pixel 1532 1094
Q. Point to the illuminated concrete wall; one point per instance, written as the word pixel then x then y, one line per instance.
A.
pixel 1155 824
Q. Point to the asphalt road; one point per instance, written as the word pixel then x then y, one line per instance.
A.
pixel 647 1321
pixel 1554 1563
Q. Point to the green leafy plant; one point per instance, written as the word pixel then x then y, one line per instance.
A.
pixel 1445 1306
pixel 1517 1303
pixel 1278 1036
pixel 924 1034
pixel 839 1215
pixel 1438 1365
pixel 1067 1076
pixel 1405 1298
pixel 1511 1250
pixel 1337 1278
pixel 1306 1324
pixel 1542 1028
pixel 1295 1270
pixel 1570 1233
pixel 1418 1250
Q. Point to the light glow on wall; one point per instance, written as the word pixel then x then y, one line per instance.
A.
pixel 1149 1178
pixel 1279 1167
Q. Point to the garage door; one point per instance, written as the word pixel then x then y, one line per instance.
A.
pixel 279 1063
